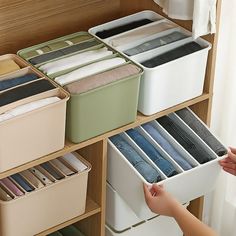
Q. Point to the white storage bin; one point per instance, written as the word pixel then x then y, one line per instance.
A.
pixel 171 83
pixel 185 186
pixel 158 226
pixel 119 216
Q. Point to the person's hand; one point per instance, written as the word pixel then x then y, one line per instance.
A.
pixel 229 163
pixel 159 201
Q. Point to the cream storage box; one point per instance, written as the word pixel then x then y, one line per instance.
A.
pixel 33 134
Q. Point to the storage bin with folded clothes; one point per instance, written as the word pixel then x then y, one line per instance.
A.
pixel 103 85
pixel 29 104
pixel 177 151
pixel 174 65
pixel 59 185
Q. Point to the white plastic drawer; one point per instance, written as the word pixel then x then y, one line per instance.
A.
pixel 185 186
pixel 119 216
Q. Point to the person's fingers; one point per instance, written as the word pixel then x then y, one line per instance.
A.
pixel 231 155
pixel 147 192
pixel 158 189
pixel 226 160
pixel 231 171
pixel 229 165
pixel 233 150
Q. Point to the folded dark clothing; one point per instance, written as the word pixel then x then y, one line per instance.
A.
pixel 122 28
pixel 202 131
pixel 172 55
pixel 24 91
pixel 62 52
pixel 184 139
pixel 9 83
pixel 155 43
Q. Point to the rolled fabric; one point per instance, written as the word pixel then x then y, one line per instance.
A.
pixel 88 70
pixel 74 60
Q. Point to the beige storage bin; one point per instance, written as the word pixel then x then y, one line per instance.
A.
pixel 46 207
pixel 34 134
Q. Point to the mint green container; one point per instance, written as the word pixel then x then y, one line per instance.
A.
pixel 102 109
pixel 99 110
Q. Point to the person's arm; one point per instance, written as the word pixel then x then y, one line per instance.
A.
pixel 161 202
pixel 229 163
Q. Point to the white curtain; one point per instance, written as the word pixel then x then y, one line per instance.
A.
pixel 220 207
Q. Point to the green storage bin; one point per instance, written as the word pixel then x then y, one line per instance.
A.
pixel 102 109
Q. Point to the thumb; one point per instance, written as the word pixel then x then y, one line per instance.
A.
pixel 231 155
pixel 157 189
pixel 233 150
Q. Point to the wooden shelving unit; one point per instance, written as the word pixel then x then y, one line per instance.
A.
pixel 27 22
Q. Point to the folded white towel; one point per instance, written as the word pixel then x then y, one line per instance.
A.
pixel 90 69
pixel 74 60
pixel 27 108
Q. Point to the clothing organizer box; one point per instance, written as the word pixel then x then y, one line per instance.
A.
pixel 34 134
pixel 185 186
pixel 101 109
pixel 168 84
pixel 45 207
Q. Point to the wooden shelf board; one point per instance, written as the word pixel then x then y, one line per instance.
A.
pixel 70 147
pixel 91 209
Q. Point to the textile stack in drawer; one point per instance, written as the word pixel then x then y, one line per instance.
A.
pixel 177 151
pixel 103 85
pixel 29 104
pixel 174 65
pixel 43 196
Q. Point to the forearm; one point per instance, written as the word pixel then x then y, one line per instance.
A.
pixel 189 224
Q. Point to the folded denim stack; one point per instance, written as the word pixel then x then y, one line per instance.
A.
pixel 163 164
pixel 167 146
pixel 139 163
pixel 37 177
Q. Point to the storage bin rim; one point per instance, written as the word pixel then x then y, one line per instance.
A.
pixel 25 50
pixel 137 76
